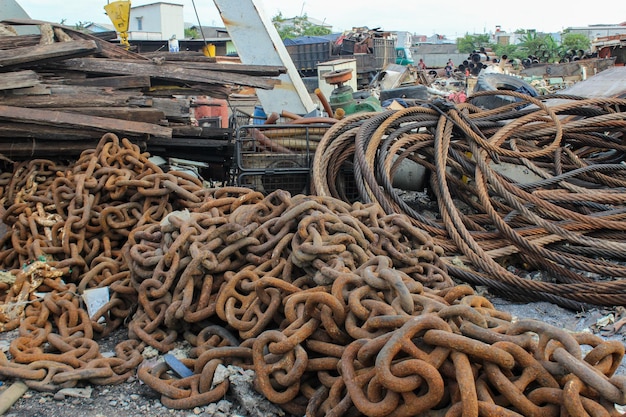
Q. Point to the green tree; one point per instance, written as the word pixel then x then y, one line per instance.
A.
pixel 192 33
pixel 298 26
pixel 551 49
pixel 508 50
pixel 544 47
pixel 575 41
pixel 81 26
pixel 530 43
pixel 470 43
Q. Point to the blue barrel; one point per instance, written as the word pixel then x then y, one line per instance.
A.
pixel 258 116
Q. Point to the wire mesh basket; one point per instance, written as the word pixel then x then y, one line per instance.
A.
pixel 261 146
pixel 240 118
pixel 271 157
pixel 295 182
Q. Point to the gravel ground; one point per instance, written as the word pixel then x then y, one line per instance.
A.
pixel 133 398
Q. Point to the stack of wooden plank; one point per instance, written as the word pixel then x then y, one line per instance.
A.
pixel 62 90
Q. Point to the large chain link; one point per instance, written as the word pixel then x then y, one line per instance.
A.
pixel 339 309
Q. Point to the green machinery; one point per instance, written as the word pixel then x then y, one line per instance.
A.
pixel 342 96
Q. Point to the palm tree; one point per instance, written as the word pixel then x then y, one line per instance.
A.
pixel 541 47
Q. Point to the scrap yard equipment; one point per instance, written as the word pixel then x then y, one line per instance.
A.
pixel 119 13
pixel 342 96
pixel 316 278
pixel 372 50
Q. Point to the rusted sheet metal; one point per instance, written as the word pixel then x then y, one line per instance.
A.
pixel 607 46
pixel 608 83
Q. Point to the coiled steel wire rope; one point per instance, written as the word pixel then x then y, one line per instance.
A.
pixel 331 138
pixel 576 205
pixel 539 221
pixel 497 274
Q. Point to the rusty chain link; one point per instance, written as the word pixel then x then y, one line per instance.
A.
pixel 338 308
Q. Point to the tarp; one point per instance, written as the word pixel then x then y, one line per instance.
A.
pixel 311 39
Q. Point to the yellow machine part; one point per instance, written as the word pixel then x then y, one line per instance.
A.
pixel 119 13
pixel 209 50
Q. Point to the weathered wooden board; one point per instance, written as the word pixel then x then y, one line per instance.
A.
pixel 165 71
pixel 199 61
pixel 107 49
pixel 145 115
pixel 10 42
pixel 20 132
pixel 18 79
pixel 57 118
pixel 39 54
pixel 117 82
pixel 175 108
pixel 76 100
pixel 27 148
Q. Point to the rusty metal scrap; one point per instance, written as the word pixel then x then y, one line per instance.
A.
pixel 531 184
pixel 340 309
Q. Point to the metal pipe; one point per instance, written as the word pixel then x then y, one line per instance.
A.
pixel 324 101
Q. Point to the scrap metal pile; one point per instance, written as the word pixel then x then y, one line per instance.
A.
pixel 340 309
pixel 529 185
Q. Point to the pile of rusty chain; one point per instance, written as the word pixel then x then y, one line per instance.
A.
pixel 80 216
pixel 266 269
pixel 331 326
pixel 340 309
pixel 563 213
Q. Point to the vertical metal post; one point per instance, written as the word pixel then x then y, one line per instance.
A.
pixel 258 43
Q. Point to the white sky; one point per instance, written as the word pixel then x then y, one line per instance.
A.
pixel 453 18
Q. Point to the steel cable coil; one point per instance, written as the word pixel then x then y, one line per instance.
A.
pixel 575 148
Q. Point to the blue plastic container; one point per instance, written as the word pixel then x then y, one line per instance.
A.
pixel 258 116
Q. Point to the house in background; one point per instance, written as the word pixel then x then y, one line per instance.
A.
pixel 99 27
pixel 152 26
pixel 599 31
pixel 216 35
pixel 208 31
pixel 156 21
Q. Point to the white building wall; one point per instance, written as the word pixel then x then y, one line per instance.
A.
pixel 405 39
pixel 157 21
pixel 172 21
pixel 145 19
pixel 593 32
